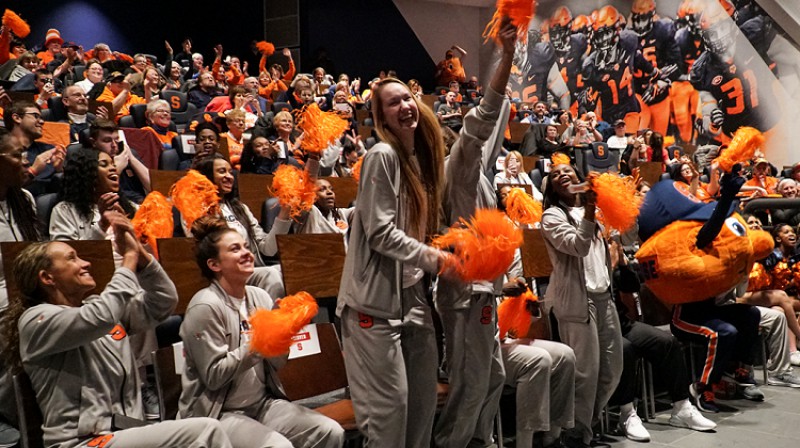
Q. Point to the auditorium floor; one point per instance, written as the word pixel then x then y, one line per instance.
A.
pixel 773 423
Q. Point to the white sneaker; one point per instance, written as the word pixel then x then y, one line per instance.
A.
pixel 690 417
pixel 633 429
pixel 794 358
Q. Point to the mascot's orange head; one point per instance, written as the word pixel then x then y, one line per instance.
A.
pixel 674 267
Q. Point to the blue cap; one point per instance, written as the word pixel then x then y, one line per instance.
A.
pixel 668 202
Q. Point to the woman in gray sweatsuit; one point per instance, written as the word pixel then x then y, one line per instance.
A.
pixel 223 378
pixel 579 295
pixel 473 358
pixel 387 328
pixel 76 349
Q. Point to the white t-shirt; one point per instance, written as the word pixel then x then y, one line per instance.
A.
pixel 615 142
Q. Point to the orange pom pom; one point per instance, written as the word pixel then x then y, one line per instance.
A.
pixel 272 330
pixel 194 196
pixel 319 128
pixel 741 149
pixel 15 23
pixel 356 170
pixel 781 276
pixel 484 247
pixel 519 11
pixel 618 200
pixel 559 158
pixel 759 279
pixel 153 220
pixel 522 208
pixel 265 48
pixel 294 190
pixel 513 316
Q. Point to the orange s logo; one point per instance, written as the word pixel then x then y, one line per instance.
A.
pixel 100 441
pixel 601 150
pixel 118 333
pixel 175 102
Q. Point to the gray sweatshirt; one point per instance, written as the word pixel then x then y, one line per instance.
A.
pixel 79 359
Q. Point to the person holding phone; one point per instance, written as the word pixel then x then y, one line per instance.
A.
pixel 580 295
pixel 24 121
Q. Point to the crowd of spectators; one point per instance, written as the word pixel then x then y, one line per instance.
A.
pixel 95 184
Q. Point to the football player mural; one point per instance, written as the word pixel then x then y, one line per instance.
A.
pixel 695 70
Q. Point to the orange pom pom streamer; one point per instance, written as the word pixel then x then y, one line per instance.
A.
pixel 522 208
pixel 513 316
pixel 272 330
pixel 484 247
pixel 519 11
pixel 741 149
pixel 759 279
pixel 781 276
pixel 356 170
pixel 15 23
pixel 320 128
pixel 194 196
pixel 559 158
pixel 618 200
pixel 294 190
pixel 265 48
pixel 153 220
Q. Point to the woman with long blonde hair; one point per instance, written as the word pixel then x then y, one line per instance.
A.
pixel 387 328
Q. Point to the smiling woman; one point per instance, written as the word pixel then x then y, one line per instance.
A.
pixel 223 377
pixel 90 188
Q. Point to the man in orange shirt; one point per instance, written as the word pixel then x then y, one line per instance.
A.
pixel 451 69
pixel 118 92
pixel 761 184
pixel 52 43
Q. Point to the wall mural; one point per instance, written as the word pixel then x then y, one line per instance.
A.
pixel 693 69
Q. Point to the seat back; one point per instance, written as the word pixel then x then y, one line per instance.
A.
pixel 600 158
pixel 182 268
pixel 535 260
pixel 57 111
pixel 279 106
pixel 675 152
pixel 137 113
pixel 182 110
pixel 168 381
pixel 44 209
pixel 441 90
pixel 28 413
pixel 304 269
pixel 317 374
pixel 79 69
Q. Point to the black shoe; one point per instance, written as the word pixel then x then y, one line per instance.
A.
pixel 703 397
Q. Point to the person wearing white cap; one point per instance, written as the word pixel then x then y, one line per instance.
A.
pixel 52 45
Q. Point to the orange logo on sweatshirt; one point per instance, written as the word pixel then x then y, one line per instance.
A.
pixel 118 333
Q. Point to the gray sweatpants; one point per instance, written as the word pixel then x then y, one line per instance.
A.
pixel 774 325
pixel 281 424
pixel 543 373
pixel 391 368
pixel 598 360
pixel 200 432
pixel 475 371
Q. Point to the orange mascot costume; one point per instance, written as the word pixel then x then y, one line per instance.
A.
pixel 697 256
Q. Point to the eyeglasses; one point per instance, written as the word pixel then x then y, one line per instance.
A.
pixel 78 95
pixel 163 112
pixel 46 80
pixel 35 115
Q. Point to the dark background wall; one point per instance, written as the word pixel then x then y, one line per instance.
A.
pixel 362 37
